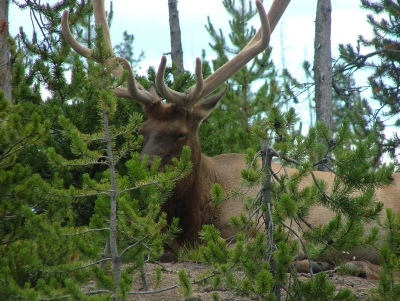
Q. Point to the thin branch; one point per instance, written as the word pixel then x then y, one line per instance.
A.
pixel 138 187
pixel 87 231
pixel 81 267
pixel 302 246
pixel 360 60
pixel 155 291
pixel 134 245
pixel 87 164
pixel 96 292
pixel 319 187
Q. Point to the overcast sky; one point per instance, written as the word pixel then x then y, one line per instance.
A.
pixel 292 39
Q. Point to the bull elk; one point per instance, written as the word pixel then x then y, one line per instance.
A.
pixel 170 126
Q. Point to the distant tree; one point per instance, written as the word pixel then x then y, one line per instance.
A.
pixel 243 103
pixel 5 53
pixel 175 35
pixel 383 113
pixel 384 81
pixel 125 50
pixel 323 66
pixel 323 62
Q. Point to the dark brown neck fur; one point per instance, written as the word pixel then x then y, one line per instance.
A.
pixel 191 201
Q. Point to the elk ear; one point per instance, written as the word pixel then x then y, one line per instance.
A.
pixel 209 104
pixel 153 91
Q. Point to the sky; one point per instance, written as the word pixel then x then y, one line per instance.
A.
pixel 291 40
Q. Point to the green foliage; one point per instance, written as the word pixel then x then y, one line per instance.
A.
pixel 70 174
pixel 380 113
pixel 217 194
pixel 84 182
pixel 24 129
pixel 284 202
pixel 389 288
pixel 125 50
pixel 243 104
pixel 320 289
pixel 184 284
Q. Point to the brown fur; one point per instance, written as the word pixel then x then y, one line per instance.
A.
pixel 169 128
pixel 319 215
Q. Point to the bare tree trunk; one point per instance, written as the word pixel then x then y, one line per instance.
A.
pixel 5 63
pixel 266 192
pixel 323 63
pixel 175 32
pixel 116 258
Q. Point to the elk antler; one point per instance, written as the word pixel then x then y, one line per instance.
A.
pixel 202 88
pixel 142 96
pixel 257 44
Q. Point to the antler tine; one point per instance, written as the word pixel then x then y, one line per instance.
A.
pixel 187 99
pixel 274 14
pixel 100 18
pixel 145 99
pixel 169 94
pixel 141 95
pixel 202 88
pixel 80 49
pixel 251 50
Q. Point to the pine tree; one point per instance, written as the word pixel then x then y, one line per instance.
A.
pixel 5 66
pixel 383 62
pixel 126 222
pixel 282 204
pixel 125 50
pixel 243 103
pixel 66 160
pixel 389 288
pixel 23 130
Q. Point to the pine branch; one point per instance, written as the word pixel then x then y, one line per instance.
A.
pixel 80 267
pixel 134 245
pixel 154 291
pixel 359 61
pixel 87 231
pixel 96 292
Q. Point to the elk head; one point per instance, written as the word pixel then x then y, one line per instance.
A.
pixel 172 125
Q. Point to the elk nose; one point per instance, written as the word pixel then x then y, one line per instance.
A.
pixel 149 160
pixel 149 163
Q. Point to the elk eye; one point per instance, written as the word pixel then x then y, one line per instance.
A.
pixel 182 135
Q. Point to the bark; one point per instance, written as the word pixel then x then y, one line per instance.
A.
pixel 116 258
pixel 266 191
pixel 5 62
pixel 175 32
pixel 323 63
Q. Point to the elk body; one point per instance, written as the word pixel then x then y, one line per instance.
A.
pixel 172 125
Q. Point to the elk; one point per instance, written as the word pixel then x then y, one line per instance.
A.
pixel 171 126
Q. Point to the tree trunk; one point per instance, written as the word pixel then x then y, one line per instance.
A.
pixel 175 32
pixel 5 63
pixel 323 63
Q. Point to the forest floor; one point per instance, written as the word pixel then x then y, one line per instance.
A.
pixel 360 287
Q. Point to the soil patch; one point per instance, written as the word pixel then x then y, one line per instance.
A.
pixel 360 287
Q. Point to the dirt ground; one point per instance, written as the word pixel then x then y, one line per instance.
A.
pixel 360 287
